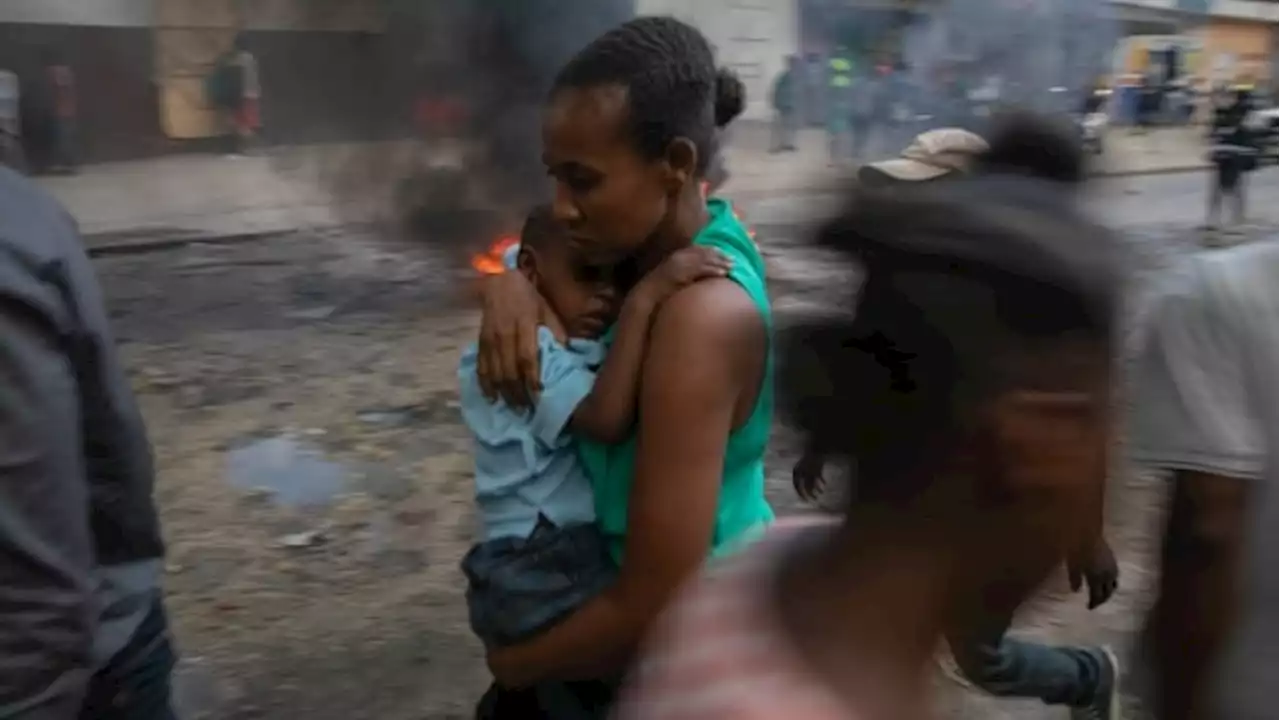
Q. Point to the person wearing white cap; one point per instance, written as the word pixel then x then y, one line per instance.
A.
pixel 930 156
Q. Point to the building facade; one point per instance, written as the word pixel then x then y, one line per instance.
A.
pixel 353 69
pixel 329 69
pixel 107 43
pixel 1239 41
pixel 1215 40
pixel 751 37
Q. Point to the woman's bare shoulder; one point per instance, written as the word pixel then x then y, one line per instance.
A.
pixel 710 311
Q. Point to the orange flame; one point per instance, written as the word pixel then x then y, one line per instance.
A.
pixel 490 262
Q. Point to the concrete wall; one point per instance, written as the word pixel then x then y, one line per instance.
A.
pixel 327 69
pixel 1255 10
pixel 752 37
pixel 1237 50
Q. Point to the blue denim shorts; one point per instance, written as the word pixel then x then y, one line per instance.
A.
pixel 136 683
pixel 520 586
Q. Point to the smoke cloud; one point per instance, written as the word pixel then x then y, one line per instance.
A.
pixel 966 58
pixel 479 73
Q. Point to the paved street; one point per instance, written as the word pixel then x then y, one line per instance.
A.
pixel 1176 199
pixel 314 479
pixel 282 189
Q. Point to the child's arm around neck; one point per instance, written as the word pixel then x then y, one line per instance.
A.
pixel 608 412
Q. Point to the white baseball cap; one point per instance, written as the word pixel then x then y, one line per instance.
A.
pixel 933 154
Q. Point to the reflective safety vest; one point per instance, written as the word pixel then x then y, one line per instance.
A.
pixel 841 72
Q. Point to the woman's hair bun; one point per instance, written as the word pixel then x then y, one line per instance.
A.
pixel 731 97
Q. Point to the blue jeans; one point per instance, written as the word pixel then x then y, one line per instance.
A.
pixel 1005 667
pixel 518 587
pixel 135 684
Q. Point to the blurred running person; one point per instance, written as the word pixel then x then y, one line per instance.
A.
pixel 83 632
pixel 1083 677
pixel 972 388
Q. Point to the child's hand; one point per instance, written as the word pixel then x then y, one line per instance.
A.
pixel 684 267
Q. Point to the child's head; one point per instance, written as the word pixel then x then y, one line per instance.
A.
pixel 971 387
pixel 581 296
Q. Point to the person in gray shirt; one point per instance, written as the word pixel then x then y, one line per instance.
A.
pixel 1204 411
pixel 83 632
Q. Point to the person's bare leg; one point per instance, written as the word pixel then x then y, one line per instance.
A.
pixel 1215 199
pixel 1238 199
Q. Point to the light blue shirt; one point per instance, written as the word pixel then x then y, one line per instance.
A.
pixel 526 464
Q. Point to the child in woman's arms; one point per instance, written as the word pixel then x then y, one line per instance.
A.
pixel 542 555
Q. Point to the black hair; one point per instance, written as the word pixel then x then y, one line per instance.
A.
pixel 540 228
pixel 960 276
pixel 673 87
pixel 1027 143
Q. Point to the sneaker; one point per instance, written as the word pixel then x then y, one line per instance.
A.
pixel 1106 698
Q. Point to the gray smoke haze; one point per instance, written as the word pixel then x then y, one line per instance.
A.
pixel 494 62
pixel 478 74
pixel 1032 46
pixel 968 58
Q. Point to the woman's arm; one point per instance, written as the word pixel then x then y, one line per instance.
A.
pixel 706 349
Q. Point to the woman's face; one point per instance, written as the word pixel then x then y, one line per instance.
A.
pixel 611 199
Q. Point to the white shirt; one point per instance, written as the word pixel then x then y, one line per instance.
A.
pixel 1205 399
pixel 248 64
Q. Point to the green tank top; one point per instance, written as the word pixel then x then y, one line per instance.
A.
pixel 742 511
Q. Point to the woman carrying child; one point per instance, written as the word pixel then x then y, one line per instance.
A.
pixel 628 132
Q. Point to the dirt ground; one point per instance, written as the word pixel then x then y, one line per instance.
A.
pixel 315 481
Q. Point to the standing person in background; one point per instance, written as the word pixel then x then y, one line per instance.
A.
pixel 838 106
pixel 83 632
pixel 1148 102
pixel 1234 154
pixel 248 111
pixel 62 120
pixel 864 97
pixel 815 90
pixel 786 105
pixel 11 153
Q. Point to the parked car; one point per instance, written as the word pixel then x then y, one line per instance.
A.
pixel 1092 121
pixel 1092 127
pixel 1266 123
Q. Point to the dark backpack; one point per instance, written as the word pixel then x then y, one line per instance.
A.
pixel 225 85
